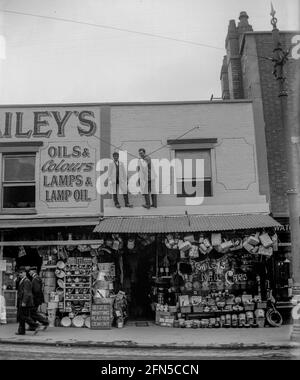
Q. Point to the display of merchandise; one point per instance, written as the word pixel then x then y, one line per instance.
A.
pixel 77 286
pixel 214 283
pixel 182 280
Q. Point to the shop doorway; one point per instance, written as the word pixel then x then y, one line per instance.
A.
pixel 139 269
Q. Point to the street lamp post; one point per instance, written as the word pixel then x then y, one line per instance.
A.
pixel 280 58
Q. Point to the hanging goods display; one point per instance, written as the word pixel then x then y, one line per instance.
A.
pixel 248 247
pixel 184 246
pixel 265 240
pixel 22 252
pixel 226 245
pixel 131 244
pixel 116 245
pixel 109 243
pixel 216 239
pixel 253 239
pixel 189 238
pixel 275 242
pixel 237 244
pixel 265 251
pixel 170 239
pixel 194 252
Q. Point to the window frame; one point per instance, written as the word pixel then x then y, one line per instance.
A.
pixel 29 183
pixel 184 180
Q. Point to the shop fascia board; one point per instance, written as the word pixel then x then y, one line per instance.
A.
pixel 192 210
pixel 39 243
pixel 13 221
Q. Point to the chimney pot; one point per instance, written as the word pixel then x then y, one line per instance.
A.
pixel 243 14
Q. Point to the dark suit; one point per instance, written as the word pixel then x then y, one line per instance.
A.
pixel 38 299
pixel 25 304
pixel 37 290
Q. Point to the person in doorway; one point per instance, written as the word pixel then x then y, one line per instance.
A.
pixel 38 297
pixel 25 303
pixel 147 179
pixel 117 180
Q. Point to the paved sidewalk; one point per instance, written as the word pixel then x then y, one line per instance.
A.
pixel 154 336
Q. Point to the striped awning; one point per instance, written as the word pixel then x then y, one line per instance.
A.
pixel 191 223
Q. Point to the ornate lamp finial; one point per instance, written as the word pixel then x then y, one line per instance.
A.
pixel 274 19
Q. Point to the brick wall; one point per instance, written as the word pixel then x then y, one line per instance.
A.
pixel 253 76
pixel 276 151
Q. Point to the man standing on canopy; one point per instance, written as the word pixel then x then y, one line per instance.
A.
pixel 147 178
pixel 117 180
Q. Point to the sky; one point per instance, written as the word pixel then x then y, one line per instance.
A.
pixel 53 61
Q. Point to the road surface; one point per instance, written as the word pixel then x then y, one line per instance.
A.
pixel 33 352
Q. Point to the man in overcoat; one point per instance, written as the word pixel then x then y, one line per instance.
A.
pixel 38 297
pixel 147 179
pixel 117 180
pixel 24 303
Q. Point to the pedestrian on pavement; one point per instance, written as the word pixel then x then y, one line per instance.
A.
pixel 38 297
pixel 117 179
pixel 24 303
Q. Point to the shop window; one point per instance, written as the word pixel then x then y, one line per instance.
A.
pixel 18 181
pixel 189 184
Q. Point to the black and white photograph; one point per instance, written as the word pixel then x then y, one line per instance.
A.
pixel 149 183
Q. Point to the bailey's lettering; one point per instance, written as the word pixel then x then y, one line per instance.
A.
pixel 41 125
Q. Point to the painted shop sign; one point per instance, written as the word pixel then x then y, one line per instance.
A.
pixel 68 175
pixel 67 147
pixel 46 124
pixel 283 228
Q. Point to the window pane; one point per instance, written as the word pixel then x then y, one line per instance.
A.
pixel 20 168
pixel 19 197
pixel 194 155
pixel 194 189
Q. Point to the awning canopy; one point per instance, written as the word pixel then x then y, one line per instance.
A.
pixel 191 223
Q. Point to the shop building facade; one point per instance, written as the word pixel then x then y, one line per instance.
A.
pixel 179 255
pixel 159 257
pixel 48 193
